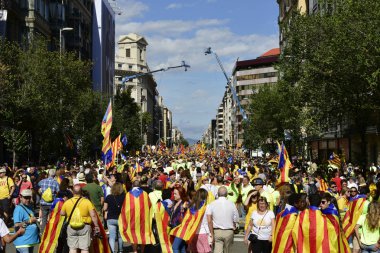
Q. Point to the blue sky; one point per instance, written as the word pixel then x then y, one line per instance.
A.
pixel 182 30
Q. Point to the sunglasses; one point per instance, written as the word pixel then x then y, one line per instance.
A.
pixel 334 186
pixel 323 201
pixel 353 191
pixel 28 197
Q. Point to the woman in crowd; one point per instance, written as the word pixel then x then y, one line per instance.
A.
pixel 367 229
pixel 260 228
pixel 112 208
pixel 250 205
pixel 201 242
pixel 177 212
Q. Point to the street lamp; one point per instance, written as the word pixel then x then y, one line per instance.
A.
pixel 60 37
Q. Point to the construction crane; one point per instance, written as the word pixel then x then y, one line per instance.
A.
pixel 236 98
pixel 127 78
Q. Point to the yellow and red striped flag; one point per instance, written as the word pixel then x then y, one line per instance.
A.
pixel 282 235
pixel 335 161
pixel 190 223
pixel 49 239
pixel 163 229
pixel 135 220
pixel 310 232
pixel 116 147
pixel 284 166
pixel 106 129
pixel 100 244
pixel 323 186
pixel 337 240
pixel 355 209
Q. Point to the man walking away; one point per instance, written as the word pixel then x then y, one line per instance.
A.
pixel 222 217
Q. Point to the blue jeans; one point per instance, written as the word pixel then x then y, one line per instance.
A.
pixel 369 248
pixel 113 228
pixel 179 245
pixel 25 250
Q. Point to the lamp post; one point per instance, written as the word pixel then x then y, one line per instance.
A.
pixel 60 37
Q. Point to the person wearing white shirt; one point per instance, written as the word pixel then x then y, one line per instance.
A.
pixel 222 217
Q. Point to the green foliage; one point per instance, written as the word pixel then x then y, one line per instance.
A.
pixel 47 105
pixel 330 75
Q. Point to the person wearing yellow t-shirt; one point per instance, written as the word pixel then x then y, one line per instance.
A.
pixel 6 191
pixel 250 205
pixel 80 238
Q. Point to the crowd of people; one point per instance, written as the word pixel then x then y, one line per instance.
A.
pixel 206 198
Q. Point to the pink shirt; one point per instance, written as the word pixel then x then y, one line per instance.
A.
pixel 25 185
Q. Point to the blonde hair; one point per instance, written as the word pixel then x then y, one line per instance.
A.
pixel 117 189
pixel 373 216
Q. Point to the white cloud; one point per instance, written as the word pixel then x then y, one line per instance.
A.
pixel 130 9
pixel 174 6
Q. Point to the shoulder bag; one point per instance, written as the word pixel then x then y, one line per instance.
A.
pixel 254 238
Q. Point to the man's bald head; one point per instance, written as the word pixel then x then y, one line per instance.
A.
pixel 222 191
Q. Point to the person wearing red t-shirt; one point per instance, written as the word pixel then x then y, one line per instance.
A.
pixel 337 180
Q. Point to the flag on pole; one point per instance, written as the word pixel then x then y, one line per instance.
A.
pixel 335 161
pixel 135 220
pixel 49 239
pixel 284 166
pixel 106 129
pixel 116 147
pixel 124 140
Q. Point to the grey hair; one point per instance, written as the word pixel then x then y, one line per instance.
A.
pixel 222 191
pixel 51 172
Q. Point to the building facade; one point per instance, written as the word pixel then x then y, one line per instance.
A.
pixel 103 44
pixel 131 60
pixel 247 78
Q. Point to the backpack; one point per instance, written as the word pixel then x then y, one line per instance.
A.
pixel 76 221
pixel 312 189
pixel 47 195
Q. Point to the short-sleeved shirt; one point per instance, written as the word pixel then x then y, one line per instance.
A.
pixel 31 235
pixel 96 193
pixel 367 236
pixel 46 183
pixel 224 213
pixel 115 203
pixel 84 205
pixel 3 229
pixel 262 224
pixel 5 184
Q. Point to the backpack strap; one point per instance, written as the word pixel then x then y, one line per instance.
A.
pixel 23 207
pixel 71 214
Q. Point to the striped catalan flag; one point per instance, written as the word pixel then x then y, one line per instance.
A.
pixel 100 245
pixel 355 209
pixel 163 229
pixel 116 147
pixel 310 232
pixel 337 240
pixel 323 186
pixel 49 240
pixel 334 160
pixel 284 166
pixel 190 224
pixel 135 220
pixel 106 130
pixel 282 235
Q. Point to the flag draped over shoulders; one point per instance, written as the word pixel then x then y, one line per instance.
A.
pixel 337 240
pixel 99 244
pixel 162 224
pixel 53 227
pixel 282 235
pixel 355 209
pixel 310 232
pixel 135 220
pixel 190 223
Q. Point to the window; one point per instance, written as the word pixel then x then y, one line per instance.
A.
pixel 141 55
pixel 128 53
pixel 130 66
pixel 119 65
